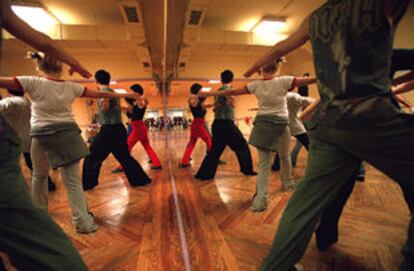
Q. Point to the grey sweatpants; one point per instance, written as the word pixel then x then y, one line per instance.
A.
pixel 71 179
pixel 265 162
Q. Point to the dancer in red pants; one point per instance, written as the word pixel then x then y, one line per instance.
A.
pixel 198 127
pixel 139 129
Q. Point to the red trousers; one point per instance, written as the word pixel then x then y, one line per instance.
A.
pixel 198 130
pixel 140 133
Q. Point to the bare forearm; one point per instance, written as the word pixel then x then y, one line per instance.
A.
pixel 404 87
pixel 403 78
pixel 308 111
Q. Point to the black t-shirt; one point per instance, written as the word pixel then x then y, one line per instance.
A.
pixel 137 113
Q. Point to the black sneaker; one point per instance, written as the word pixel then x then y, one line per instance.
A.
pixel 51 186
pixel 252 173
pixel 156 168
pixel 360 177
pixel 117 170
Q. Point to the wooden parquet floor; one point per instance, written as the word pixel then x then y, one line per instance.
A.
pixel 140 227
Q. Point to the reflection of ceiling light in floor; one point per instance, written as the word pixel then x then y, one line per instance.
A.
pixel 36 17
pixel 206 89
pixel 113 83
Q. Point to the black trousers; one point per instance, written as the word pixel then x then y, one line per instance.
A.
pixel 225 133
pixel 303 139
pixel 111 139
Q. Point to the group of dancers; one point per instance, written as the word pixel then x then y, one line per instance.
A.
pixel 356 119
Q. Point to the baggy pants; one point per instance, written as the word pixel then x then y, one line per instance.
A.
pixel 225 133
pixel 198 130
pixel 334 156
pixel 111 139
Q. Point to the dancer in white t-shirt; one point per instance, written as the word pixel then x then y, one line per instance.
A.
pixel 271 130
pixel 56 139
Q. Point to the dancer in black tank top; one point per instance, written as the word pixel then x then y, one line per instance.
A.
pixel 198 126
pixel 139 129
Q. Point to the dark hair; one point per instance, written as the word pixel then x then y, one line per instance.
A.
pixel 195 88
pixel 46 63
pixel 102 77
pixel 227 76
pixel 137 88
pixel 303 91
pixel 15 92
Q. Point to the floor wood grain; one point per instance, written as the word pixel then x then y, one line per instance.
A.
pixel 139 228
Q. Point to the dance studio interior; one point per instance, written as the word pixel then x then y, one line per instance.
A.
pixel 172 176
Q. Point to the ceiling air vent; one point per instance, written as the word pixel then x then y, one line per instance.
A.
pixel 131 14
pixel 146 64
pixel 181 65
pixel 195 17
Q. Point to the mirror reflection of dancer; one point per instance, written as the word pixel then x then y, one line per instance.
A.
pixel 271 126
pixel 139 131
pixel 112 138
pixel 225 133
pixel 356 118
pixel 16 111
pixel 198 126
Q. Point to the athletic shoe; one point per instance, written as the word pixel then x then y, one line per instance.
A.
pixel 289 187
pixel 89 229
pixel 360 177
pixel 117 170
pixel 156 168
pixel 275 167
pixel 325 238
pixel 180 165
pixel 51 186
pixel 258 205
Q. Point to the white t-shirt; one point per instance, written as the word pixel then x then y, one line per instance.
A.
pixel 51 99
pixel 271 95
pixel 296 103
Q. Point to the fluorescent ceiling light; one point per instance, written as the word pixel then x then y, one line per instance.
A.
pixel 36 17
pixel 120 90
pixel 113 82
pixel 270 25
pixel 214 81
pixel 206 89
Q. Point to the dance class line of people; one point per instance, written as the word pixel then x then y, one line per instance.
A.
pixel 352 95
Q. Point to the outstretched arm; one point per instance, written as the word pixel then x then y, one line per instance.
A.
pixel 108 95
pixel 230 92
pixel 282 48
pixel 403 78
pixel 304 81
pixel 38 40
pixel 405 87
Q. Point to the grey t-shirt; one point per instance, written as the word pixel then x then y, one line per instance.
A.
pixel 113 114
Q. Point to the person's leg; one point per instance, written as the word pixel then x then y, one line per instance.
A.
pixel 327 232
pixel 28 160
pixel 285 161
pixel 156 164
pixel 83 221
pixel 295 152
pixel 99 151
pixel 206 137
pixel 329 168
pixel 262 184
pixel 208 167
pixel 189 149
pixel 27 233
pixel 133 170
pixel 133 138
pixel 39 175
pixel 239 145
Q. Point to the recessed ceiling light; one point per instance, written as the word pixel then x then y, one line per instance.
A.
pixel 36 17
pixel 206 89
pixel 268 25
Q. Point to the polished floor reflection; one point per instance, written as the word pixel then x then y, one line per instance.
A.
pixel 208 225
